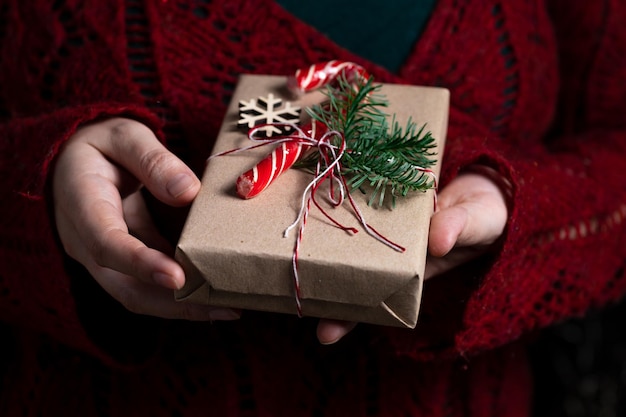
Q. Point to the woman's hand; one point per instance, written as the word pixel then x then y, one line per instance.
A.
pixel 472 214
pixel 103 222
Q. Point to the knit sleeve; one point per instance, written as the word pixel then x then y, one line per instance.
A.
pixel 59 68
pixel 564 248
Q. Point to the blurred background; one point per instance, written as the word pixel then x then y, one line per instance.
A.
pixel 580 366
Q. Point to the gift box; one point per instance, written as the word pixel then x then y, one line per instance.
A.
pixel 234 252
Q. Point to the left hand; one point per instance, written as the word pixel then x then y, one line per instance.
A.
pixel 471 216
pixel 103 223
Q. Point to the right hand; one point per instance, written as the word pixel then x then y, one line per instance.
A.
pixel 103 222
pixel 471 216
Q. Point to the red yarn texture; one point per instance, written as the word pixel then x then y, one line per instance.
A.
pixel 538 93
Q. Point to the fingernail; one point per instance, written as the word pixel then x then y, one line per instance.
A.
pixel 329 342
pixel 179 184
pixel 224 314
pixel 165 280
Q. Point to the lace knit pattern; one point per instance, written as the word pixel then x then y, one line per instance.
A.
pixel 538 94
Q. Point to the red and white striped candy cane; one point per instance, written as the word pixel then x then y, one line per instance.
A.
pixel 325 73
pixel 254 181
pixel 257 179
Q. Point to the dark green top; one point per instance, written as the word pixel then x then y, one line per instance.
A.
pixel 378 30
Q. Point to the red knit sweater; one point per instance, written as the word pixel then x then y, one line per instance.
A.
pixel 537 94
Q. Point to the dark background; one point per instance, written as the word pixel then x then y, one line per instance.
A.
pixel 580 366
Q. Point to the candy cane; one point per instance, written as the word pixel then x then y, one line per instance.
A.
pixel 257 179
pixel 325 73
pixel 254 181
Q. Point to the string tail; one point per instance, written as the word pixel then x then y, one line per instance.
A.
pixel 324 73
pixel 296 253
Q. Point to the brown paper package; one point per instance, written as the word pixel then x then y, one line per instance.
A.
pixel 234 253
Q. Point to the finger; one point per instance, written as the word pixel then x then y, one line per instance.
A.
pixel 331 331
pixel 135 147
pixel 145 298
pixel 116 249
pixel 445 228
pixel 141 298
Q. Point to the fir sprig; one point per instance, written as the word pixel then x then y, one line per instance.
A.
pixel 378 153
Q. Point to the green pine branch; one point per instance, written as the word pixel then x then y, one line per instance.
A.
pixel 383 155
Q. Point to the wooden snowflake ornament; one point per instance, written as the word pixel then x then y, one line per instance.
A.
pixel 268 111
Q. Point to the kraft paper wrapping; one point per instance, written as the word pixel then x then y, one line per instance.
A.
pixel 234 253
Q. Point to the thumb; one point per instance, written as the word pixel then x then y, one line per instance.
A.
pixel 473 213
pixel 445 228
pixel 134 146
